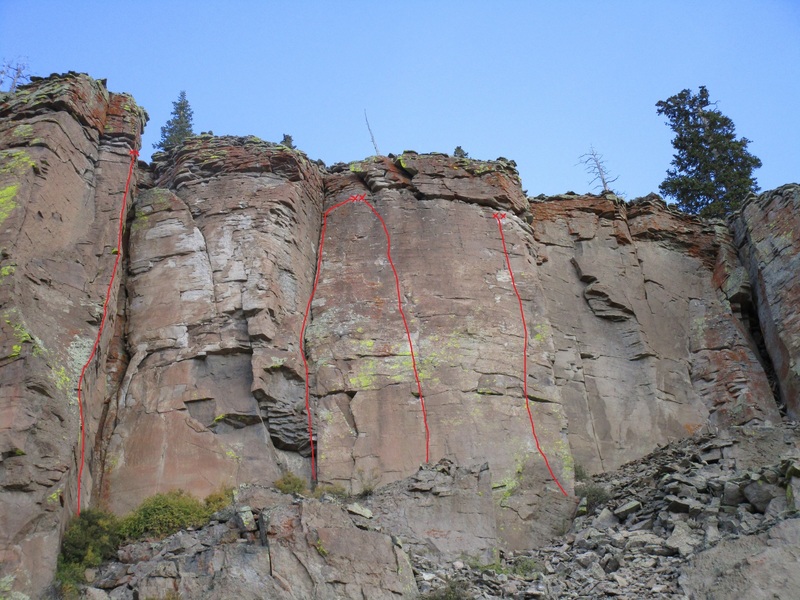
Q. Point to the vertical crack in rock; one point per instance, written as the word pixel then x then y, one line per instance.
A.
pixel 217 257
pixel 765 234
pixel 642 329
pixel 64 159
pixel 645 281
pixel 464 320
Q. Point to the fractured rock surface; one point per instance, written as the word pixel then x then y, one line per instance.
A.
pixel 643 327
pixel 220 268
pixel 766 231
pixel 646 347
pixel 667 527
pixel 281 550
pixel 465 324
pixel 64 158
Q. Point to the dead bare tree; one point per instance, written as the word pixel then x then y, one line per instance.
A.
pixel 13 74
pixel 372 137
pixel 595 165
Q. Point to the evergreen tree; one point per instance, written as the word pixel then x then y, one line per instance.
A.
pixel 179 127
pixel 459 152
pixel 712 170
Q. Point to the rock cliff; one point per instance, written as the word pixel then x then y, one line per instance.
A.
pixel 64 156
pixel 644 325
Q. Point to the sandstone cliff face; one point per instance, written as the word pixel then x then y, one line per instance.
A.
pixel 641 326
pixel 64 157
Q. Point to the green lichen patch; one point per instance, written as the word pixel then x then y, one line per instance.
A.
pixel 541 333
pixel 61 378
pixel 23 131
pixel 6 589
pixel 365 377
pixel 16 162
pixel 6 271
pixel 19 334
pixel 162 199
pixel 7 204
pixel 140 220
pixel 506 486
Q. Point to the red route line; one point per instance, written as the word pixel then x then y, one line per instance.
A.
pixel 499 218
pixel 133 154
pixel 361 198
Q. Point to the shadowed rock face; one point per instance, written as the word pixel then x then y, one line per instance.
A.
pixel 64 158
pixel 640 329
pixel 766 233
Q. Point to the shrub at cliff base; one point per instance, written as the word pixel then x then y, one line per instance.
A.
pixel 95 535
pixel 89 540
pixel 164 514
pixel 291 484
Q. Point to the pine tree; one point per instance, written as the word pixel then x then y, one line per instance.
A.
pixel 179 127
pixel 712 170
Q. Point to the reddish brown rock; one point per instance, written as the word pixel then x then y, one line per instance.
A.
pixel 646 347
pixel 766 232
pixel 63 165
pixel 465 325
pixel 219 275
pixel 439 176
pixel 641 328
pixel 316 550
pixel 442 511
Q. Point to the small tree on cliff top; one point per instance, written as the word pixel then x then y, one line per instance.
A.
pixel 596 165
pixel 179 127
pixel 13 74
pixel 712 170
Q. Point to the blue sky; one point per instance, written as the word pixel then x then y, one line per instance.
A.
pixel 535 81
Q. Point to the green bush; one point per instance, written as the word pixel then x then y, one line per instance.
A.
pixel 164 514
pixel 218 500
pixel 95 535
pixel 595 495
pixel 526 567
pixel 91 538
pixel 454 590
pixel 291 484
